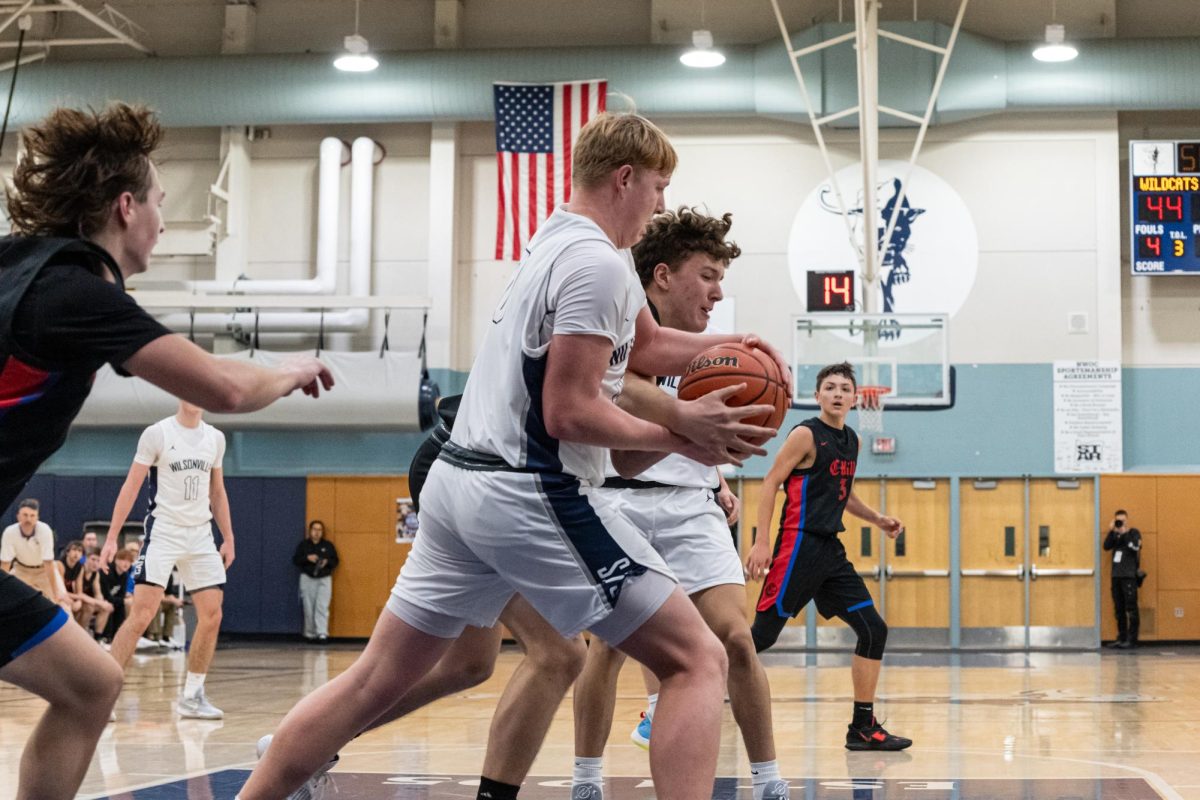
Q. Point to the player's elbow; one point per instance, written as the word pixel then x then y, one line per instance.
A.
pixel 228 398
pixel 562 421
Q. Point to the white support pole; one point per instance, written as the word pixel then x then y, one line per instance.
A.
pixel 816 125
pixel 232 254
pixel 920 140
pixel 866 17
pixel 443 251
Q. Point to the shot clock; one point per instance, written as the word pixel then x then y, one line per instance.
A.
pixel 831 291
pixel 1164 191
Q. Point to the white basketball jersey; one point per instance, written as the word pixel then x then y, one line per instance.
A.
pixel 573 280
pixel 675 469
pixel 181 462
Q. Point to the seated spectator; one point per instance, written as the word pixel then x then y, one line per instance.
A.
pixel 94 612
pixel 69 565
pixel 162 626
pixel 113 586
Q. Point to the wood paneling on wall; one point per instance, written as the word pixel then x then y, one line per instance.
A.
pixel 360 519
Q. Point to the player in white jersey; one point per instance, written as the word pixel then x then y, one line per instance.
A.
pixel 511 507
pixel 681 262
pixel 180 459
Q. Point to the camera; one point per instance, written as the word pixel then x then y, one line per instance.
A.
pixel 1118 523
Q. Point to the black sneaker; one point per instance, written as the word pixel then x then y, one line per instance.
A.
pixel 874 737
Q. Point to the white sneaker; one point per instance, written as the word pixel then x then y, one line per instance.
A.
pixel 146 644
pixel 198 707
pixel 776 790
pixel 313 788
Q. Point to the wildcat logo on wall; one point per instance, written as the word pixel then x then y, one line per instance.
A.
pixel 929 264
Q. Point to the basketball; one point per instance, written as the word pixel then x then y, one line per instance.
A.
pixel 730 364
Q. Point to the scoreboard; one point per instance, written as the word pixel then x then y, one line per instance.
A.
pixel 1164 207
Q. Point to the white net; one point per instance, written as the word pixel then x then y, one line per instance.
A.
pixel 870 408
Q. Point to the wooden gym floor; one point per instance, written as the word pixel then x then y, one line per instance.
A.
pixel 1021 725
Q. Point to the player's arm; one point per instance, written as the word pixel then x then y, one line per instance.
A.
pixel 220 385
pixel 575 410
pixel 796 449
pixel 698 420
pixel 121 508
pixel 219 501
pixel 890 525
pixel 668 351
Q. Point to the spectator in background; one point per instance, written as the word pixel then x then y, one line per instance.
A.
pixel 69 566
pixel 162 625
pixel 90 542
pixel 95 610
pixel 114 585
pixel 316 557
pixel 1126 546
pixel 27 552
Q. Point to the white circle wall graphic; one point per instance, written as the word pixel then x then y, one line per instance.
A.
pixel 931 262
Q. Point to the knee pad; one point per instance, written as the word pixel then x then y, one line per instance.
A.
pixel 871 630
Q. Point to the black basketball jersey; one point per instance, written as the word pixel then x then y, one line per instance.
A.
pixel 816 496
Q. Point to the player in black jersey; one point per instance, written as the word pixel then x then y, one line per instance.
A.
pixel 816 468
pixel 84 203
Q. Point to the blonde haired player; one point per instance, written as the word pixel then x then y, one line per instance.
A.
pixel 180 457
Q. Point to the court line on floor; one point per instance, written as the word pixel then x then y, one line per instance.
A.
pixel 169 779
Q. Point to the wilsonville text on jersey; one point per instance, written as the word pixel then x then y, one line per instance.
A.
pixel 190 463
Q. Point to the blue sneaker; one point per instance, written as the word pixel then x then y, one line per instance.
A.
pixel 641 734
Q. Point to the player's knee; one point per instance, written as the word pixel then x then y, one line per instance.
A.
pixel 108 682
pixel 210 617
pixel 740 648
pixel 476 669
pixel 872 633
pixel 711 660
pixel 561 660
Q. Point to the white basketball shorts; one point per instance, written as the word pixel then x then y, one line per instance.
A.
pixel 192 549
pixel 487 534
pixel 688 529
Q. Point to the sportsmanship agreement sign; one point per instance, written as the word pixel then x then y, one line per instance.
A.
pixel 1087 416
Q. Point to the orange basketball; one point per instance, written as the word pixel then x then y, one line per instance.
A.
pixel 731 364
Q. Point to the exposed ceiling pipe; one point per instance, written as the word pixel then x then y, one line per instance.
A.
pixel 362 190
pixel 329 184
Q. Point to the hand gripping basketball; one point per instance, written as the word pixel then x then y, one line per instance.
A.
pixel 747 382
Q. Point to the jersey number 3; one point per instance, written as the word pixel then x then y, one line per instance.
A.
pixel 843 490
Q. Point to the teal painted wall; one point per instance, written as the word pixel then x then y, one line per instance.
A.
pixel 1001 425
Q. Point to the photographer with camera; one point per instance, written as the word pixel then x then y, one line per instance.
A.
pixel 1126 546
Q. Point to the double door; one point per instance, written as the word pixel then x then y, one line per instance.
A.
pixel 1028 563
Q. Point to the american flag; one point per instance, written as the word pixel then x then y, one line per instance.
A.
pixel 536 126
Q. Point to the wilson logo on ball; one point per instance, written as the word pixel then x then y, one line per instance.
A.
pixel 704 362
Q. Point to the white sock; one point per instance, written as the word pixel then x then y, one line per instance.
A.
pixel 653 703
pixel 194 683
pixel 588 770
pixel 762 773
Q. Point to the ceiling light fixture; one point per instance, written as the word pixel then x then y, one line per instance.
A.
pixel 702 54
pixel 1055 49
pixel 357 57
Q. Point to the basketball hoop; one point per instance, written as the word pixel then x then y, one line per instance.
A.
pixel 870 408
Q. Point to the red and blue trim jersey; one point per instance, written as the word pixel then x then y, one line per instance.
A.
pixel 814 499
pixel 60 320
